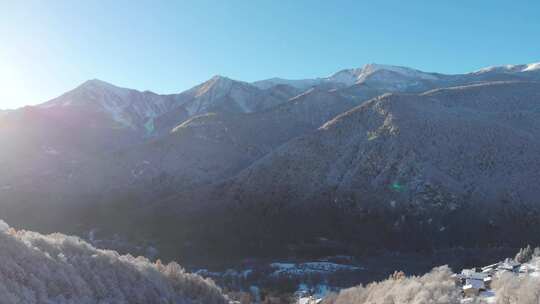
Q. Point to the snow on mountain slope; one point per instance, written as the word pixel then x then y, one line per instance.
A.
pixel 354 76
pixel 408 159
pixel 396 78
pixel 349 77
pixel 61 269
pixel 210 147
pixel 511 68
pixel 82 145
pixel 372 68
pixel 297 83
pixel 224 94
pixel 130 108
pixel 532 67
pixel 153 113
pixel 135 109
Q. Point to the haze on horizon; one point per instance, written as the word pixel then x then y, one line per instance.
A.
pixel 47 48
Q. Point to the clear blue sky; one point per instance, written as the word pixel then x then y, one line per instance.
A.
pixel 49 47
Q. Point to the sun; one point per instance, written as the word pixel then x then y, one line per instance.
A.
pixel 12 88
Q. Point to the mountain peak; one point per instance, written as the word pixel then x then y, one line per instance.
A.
pixel 221 80
pixel 405 71
pixel 510 68
pixel 90 91
pixel 98 84
pixel 379 66
pixel 217 83
pixel 352 76
pixel 348 77
pixel 220 77
pixel 532 67
pixel 130 108
pixel 96 81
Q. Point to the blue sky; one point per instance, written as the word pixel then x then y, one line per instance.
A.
pixel 49 47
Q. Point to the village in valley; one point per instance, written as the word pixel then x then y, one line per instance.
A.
pixel 477 284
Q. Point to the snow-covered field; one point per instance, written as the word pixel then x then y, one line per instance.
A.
pixel 301 269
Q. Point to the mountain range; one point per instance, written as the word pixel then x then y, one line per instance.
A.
pixel 377 157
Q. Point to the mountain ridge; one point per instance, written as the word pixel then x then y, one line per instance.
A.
pixel 277 155
pixel 343 162
pixel 351 77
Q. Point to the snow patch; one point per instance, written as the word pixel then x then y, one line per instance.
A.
pixel 347 77
pixel 511 68
pixel 412 73
pixel 292 269
pixel 532 67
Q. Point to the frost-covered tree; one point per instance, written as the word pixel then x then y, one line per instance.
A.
pixel 435 287
pixel 536 252
pixel 59 269
pixel 524 255
pixel 513 289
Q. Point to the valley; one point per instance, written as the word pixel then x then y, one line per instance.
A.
pixel 286 187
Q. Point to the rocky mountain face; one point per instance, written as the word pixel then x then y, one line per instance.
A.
pixel 327 160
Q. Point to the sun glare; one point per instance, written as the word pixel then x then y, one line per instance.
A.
pixel 13 93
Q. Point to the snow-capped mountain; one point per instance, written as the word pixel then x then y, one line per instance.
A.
pixel 150 111
pixel 142 110
pixel 264 143
pixel 223 94
pixel 349 77
pixel 408 72
pixel 218 145
pixel 370 71
pixel 413 164
pixel 519 68
pixel 129 108
pixel 302 84
pixel 397 78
